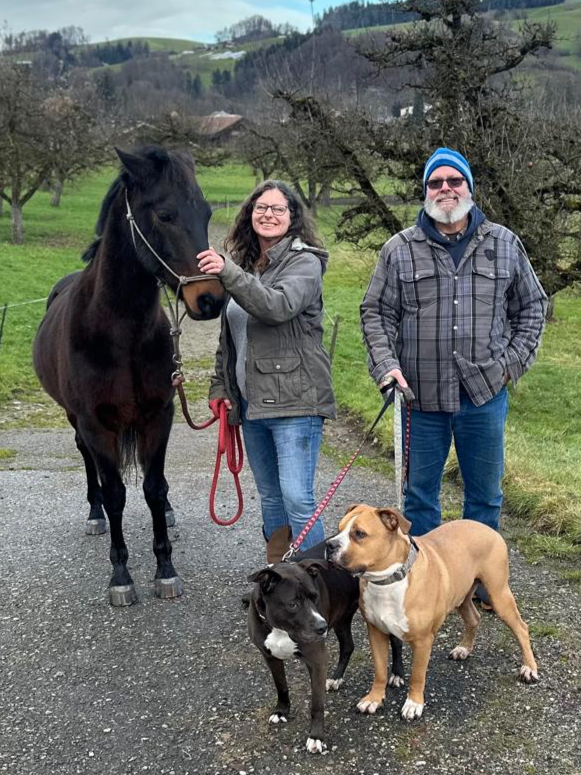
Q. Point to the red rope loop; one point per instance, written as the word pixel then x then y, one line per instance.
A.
pixel 230 443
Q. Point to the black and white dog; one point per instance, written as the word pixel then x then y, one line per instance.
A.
pixel 292 607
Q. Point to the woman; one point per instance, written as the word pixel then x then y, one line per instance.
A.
pixel 271 367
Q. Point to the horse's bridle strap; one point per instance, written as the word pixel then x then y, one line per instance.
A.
pixel 176 318
pixel 183 280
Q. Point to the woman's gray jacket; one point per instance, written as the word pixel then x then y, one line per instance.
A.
pixel 288 373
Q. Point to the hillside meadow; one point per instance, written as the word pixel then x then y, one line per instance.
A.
pixel 543 440
pixel 199 59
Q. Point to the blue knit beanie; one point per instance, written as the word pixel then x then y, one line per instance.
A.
pixel 444 157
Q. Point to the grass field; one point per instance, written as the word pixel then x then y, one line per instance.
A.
pixel 543 446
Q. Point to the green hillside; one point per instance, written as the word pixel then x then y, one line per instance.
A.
pixel 199 58
pixel 203 59
pixel 155 44
pixel 566 16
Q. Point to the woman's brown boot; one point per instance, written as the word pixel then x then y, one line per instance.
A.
pixel 278 544
pixel 276 547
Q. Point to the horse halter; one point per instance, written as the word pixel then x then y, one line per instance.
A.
pixel 182 279
pixel 175 331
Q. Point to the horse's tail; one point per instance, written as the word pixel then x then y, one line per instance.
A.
pixel 128 451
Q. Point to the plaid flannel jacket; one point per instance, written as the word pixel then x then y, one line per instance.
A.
pixel 479 323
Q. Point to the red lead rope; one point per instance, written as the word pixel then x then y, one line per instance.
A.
pixel 229 442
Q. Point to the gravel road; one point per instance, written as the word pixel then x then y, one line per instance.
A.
pixel 176 687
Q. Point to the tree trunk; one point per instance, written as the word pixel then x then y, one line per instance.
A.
pixel 17 224
pixel 313 196
pixel 324 196
pixel 57 191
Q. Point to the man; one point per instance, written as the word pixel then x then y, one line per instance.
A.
pixel 455 309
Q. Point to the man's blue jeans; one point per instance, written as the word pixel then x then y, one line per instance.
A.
pixel 478 437
pixel 282 453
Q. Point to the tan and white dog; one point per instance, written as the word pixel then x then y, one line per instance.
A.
pixel 408 587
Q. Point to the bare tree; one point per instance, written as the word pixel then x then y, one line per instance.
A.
pixel 43 129
pixel 527 165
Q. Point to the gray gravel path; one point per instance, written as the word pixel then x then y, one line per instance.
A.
pixel 176 687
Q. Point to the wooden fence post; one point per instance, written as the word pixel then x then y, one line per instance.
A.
pixel 2 323
pixel 334 332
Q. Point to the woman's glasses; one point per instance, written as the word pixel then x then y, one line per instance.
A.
pixel 261 208
pixel 437 183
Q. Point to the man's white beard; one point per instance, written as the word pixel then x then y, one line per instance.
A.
pixel 449 216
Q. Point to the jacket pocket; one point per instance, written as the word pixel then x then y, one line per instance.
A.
pixel 418 288
pixel 490 283
pixel 278 381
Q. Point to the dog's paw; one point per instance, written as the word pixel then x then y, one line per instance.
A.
pixel 396 680
pixel 277 718
pixel 314 745
pixel 334 684
pixel 527 675
pixel 460 652
pixel 412 709
pixel 367 705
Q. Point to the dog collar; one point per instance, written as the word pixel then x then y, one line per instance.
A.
pixel 402 571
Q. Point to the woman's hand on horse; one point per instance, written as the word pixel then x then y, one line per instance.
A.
pixel 210 262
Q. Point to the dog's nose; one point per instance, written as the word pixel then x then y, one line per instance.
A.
pixel 321 628
pixel 329 550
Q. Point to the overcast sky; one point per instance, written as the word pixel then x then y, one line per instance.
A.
pixel 189 19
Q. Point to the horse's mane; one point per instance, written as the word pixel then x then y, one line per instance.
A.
pixel 106 205
pixel 162 158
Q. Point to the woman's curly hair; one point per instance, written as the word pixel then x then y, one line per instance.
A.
pixel 242 241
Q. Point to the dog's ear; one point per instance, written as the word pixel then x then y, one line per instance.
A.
pixel 392 519
pixel 267 578
pixel 314 566
pixel 350 508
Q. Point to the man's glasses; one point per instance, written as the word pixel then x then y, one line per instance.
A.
pixel 437 183
pixel 261 208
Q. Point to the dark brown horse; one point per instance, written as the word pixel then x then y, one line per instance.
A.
pixel 104 351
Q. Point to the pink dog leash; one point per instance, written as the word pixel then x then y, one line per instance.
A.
pixel 409 396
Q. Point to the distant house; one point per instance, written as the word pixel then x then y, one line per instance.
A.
pixel 409 110
pixel 220 127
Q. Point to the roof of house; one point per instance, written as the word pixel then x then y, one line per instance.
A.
pixel 217 122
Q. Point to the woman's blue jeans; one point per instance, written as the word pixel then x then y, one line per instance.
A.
pixel 282 453
pixel 478 433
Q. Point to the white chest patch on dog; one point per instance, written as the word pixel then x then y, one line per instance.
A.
pixel 384 607
pixel 280 645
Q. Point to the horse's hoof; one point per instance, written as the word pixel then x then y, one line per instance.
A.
pixel 169 588
pixel 170 518
pixel 122 595
pixel 95 527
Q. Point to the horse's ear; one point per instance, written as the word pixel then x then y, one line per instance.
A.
pixel 143 168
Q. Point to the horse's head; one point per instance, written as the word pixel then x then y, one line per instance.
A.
pixel 170 210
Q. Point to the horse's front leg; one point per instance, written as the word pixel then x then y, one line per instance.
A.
pixel 167 582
